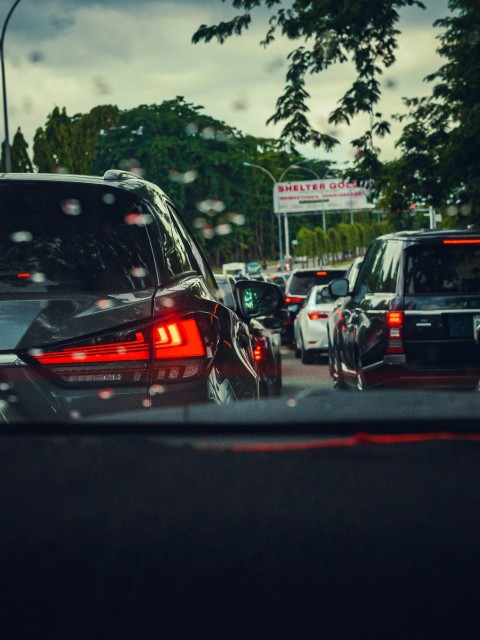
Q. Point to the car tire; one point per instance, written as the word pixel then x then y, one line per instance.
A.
pixel 297 351
pixel 306 355
pixel 339 383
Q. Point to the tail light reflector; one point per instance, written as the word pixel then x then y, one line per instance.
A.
pixel 315 315
pixel 395 332
pixel 293 299
pixel 178 339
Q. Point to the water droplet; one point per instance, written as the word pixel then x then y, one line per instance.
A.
pixel 76 415
pixel 79 355
pixel 21 236
pixel 156 389
pixel 38 277
pixel 140 219
pixel 237 218
pixel 105 304
pixel 138 272
pixel 106 394
pixel 147 403
pixel 223 229
pixel 108 198
pixel 35 352
pixel 71 206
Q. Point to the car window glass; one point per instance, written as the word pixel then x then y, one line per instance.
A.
pixel 73 237
pixel 196 257
pixel 176 256
pixel 440 269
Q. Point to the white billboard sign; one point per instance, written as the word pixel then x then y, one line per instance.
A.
pixel 319 195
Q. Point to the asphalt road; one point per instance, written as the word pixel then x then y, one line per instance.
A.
pixel 297 376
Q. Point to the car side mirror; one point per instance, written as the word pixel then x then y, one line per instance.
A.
pixel 257 298
pixel 336 289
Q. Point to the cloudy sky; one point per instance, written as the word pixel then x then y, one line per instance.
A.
pixel 81 53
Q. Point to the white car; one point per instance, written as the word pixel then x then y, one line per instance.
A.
pixel 310 326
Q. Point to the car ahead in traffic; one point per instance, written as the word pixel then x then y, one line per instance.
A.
pixel 265 335
pixel 413 316
pixel 107 302
pixel 310 326
pixel 298 286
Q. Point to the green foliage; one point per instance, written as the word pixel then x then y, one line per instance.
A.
pixel 19 157
pixel 361 31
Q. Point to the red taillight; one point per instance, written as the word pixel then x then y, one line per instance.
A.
pixel 23 275
pixel 169 351
pixel 395 332
pixel 258 353
pixel 315 315
pixel 293 300
pixel 463 241
pixel 178 339
pixel 322 273
pixel 136 349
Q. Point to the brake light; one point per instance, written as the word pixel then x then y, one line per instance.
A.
pixel 179 339
pixel 463 241
pixel 258 353
pixel 315 315
pixel 395 332
pixel 322 273
pixel 136 349
pixel 168 351
pixel 293 300
pixel 23 275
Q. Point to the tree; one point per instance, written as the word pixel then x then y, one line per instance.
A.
pixel 20 159
pixel 442 135
pixel 330 31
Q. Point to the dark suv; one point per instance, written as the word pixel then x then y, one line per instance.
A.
pixel 413 317
pixel 299 284
pixel 107 302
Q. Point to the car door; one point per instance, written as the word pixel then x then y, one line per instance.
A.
pixel 365 313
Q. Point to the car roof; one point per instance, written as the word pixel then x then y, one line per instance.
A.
pixel 111 178
pixel 426 235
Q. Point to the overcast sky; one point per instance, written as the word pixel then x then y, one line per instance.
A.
pixel 81 53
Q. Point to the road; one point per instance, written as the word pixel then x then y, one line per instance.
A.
pixel 298 376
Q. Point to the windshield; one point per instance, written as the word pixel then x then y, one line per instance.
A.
pixel 160 251
pixel 239 319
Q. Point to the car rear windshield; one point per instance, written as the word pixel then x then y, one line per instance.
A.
pixel 300 283
pixel 443 269
pixel 65 237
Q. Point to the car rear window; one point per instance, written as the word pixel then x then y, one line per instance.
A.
pixel 300 283
pixel 443 269
pixel 65 237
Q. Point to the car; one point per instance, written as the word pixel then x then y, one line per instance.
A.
pixel 413 316
pixel 107 302
pixel 298 286
pixel 253 269
pixel 310 325
pixel 280 279
pixel 265 339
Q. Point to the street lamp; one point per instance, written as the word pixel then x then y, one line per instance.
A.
pixel 8 161
pixel 257 166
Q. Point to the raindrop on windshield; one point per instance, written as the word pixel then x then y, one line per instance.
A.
pixel 71 207
pixel 21 236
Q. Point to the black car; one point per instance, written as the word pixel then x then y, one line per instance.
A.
pixel 107 303
pixel 298 286
pixel 266 339
pixel 413 317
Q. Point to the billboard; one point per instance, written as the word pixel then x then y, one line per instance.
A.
pixel 319 195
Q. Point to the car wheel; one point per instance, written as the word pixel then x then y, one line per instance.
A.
pixel 338 381
pixel 298 351
pixel 306 355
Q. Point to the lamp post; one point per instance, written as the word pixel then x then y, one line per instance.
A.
pixel 257 166
pixel 8 160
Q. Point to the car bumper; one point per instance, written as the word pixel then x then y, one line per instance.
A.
pixel 394 372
